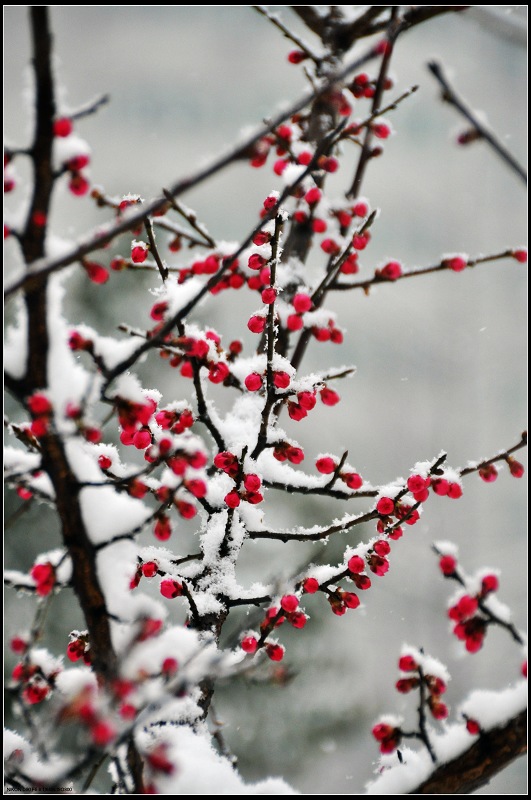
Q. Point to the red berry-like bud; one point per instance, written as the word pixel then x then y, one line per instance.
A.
pixel 381 130
pixel 249 644
pixel 158 311
pixel 78 184
pixel 170 588
pixel 275 651
pixel 455 491
pixel 302 302
pixel 232 499
pixel 186 510
pixel 330 247
pixel 162 529
pixel 217 373
pixel 252 482
pixel 256 324
pixel 440 486
pixel 455 263
pixel 102 733
pixel 360 209
pixel 488 473
pixel 169 666
pixel 319 225
pixel 405 685
pixel 39 404
pixel 391 271
pixel 361 240
pixel 520 255
pixel 62 127
pixel 310 585
pixel 44 577
pixel 18 644
pixel 385 506
pixel 253 382
pixel 296 56
pixel 378 564
pixel 270 202
pixel 96 272
pixel 489 583
pixel 473 727
pixel 313 196
pixel 447 565
pixel 298 619
pixel 281 380
pixel 325 465
pixel 416 483
pixel 142 438
pixel 465 608
pixel 382 547
pixel 294 322
pixel 289 603
pixel 104 462
pixel 350 599
pixel 329 397
pixel 149 569
pixel 139 253
pixel 438 710
pixel 356 564
pixel 268 296
pixel 407 664
pixel 515 468
pixel 352 479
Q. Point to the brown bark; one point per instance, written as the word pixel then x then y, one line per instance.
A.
pixel 491 753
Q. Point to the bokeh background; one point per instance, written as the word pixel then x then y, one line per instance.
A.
pixel 440 360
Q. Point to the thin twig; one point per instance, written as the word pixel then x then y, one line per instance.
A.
pixel 450 96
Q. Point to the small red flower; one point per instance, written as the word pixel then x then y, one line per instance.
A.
pixel 313 196
pixel 407 663
pixel 325 465
pixel 275 651
pixel 385 506
pixel 232 499
pixel 310 585
pixel 162 530
pixel 289 603
pixel 104 462
pixel 488 473
pixel 139 252
pixel 44 577
pixel 302 302
pixel 268 296
pixel 62 127
pixel 516 469
pixel 296 56
pixel 253 382
pixel 281 379
pixel 447 565
pixel 96 272
pixel 391 271
pixel 356 564
pixel 149 569
pixel 249 644
pixel 329 397
pixel 473 727
pixel 170 588
pixel 256 324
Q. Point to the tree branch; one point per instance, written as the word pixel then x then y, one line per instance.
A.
pixel 492 752
pixel 449 95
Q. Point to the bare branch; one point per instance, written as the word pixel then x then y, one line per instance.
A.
pixel 450 96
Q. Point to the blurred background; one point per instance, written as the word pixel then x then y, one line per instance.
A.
pixel 441 360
